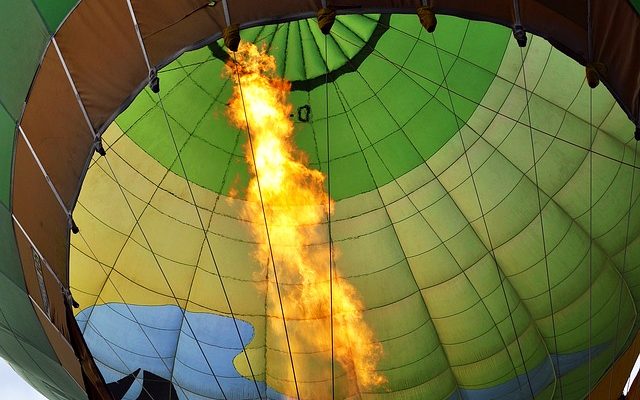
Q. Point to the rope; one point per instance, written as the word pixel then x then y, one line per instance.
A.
pixel 343 100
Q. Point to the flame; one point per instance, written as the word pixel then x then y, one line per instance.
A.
pixel 295 207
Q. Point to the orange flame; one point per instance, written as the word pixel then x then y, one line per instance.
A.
pixel 295 207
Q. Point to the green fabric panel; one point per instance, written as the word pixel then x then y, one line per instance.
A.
pixel 10 266
pixel 7 133
pixel 23 41
pixel 14 351
pixel 53 12
pixel 294 69
pixel 195 148
pixel 159 137
pixel 636 5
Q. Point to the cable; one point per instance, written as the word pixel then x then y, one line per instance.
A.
pixel 342 98
pixel 557 372
pixel 266 227
pixel 331 272
pixel 484 221
pixel 591 138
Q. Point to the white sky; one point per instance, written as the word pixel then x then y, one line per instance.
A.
pixel 13 387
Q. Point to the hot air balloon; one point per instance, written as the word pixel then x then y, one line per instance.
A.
pixel 377 199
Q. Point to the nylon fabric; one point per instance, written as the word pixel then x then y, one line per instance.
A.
pixel 436 222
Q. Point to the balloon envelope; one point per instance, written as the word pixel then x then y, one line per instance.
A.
pixel 485 213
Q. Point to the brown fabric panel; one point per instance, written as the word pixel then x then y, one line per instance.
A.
pixel 499 11
pixel 154 16
pixel 57 332
pixel 54 307
pixel 574 10
pixel 94 383
pixel 62 348
pixel 39 212
pixel 101 49
pixel 616 43
pixel 567 32
pixel 243 11
pixel 618 374
pixel 56 128
pixel 164 45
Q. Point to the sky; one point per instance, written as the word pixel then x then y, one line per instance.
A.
pixel 14 387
